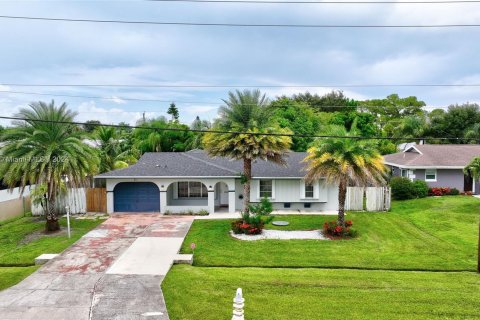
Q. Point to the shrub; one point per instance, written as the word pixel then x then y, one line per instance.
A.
pixel 454 192
pixel 254 222
pixel 330 228
pixel 439 191
pixel 421 188
pixel 402 188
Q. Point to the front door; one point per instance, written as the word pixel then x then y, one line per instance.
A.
pixel 467 183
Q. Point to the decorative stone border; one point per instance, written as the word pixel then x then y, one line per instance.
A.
pixel 282 235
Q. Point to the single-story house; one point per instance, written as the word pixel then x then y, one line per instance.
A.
pixel 440 165
pixel 192 181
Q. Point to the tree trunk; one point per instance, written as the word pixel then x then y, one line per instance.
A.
pixel 52 219
pixel 342 195
pixel 247 172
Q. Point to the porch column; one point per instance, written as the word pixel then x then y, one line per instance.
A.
pixel 231 201
pixel 163 201
pixel 211 201
pixel 109 202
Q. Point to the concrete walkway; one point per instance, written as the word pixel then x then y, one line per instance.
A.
pixel 113 272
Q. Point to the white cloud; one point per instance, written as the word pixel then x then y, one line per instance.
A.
pixel 198 110
pixel 412 68
pixel 4 88
pixel 89 111
pixel 115 99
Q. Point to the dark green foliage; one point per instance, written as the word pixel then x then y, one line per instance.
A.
pixel 402 188
pixel 299 118
pixel 331 102
pixel 365 122
pixel 386 147
pixel 389 111
pixel 453 192
pixel 198 124
pixel 456 122
pixel 173 111
pixel 421 188
pixel 148 140
pixel 91 125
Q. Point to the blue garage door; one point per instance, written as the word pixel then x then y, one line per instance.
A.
pixel 136 197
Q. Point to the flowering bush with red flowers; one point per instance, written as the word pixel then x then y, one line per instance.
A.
pixel 334 231
pixel 438 191
pixel 253 222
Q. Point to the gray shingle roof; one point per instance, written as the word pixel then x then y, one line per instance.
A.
pixel 436 155
pixel 199 164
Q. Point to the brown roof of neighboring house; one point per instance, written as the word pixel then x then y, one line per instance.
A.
pixel 435 155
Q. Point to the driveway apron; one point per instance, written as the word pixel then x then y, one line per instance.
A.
pixel 113 272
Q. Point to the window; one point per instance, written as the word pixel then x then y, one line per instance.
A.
pixel 308 190
pixel 192 189
pixel 183 189
pixel 404 172
pixel 431 175
pixel 266 188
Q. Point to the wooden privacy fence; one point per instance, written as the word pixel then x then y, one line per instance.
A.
pixel 377 199
pixel 96 200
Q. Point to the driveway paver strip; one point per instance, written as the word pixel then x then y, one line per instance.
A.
pixel 82 283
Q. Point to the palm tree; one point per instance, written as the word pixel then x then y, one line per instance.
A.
pixel 344 161
pixel 46 150
pixel 115 153
pixel 247 111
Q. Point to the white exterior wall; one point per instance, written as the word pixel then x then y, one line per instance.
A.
pixel 285 190
pixel 292 191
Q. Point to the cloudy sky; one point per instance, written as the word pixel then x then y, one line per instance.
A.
pixel 42 52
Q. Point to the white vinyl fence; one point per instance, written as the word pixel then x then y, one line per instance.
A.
pixel 74 198
pixel 377 199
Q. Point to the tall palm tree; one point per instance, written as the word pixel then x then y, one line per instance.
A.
pixel 247 111
pixel 343 162
pixel 46 150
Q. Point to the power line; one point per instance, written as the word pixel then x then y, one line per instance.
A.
pixel 211 24
pixel 321 2
pixel 138 99
pixel 168 101
pixel 120 85
pixel 229 132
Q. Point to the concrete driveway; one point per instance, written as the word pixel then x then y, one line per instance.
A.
pixel 113 272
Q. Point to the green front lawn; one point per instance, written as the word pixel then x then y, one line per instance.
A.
pixel 23 239
pixel 10 276
pixel 310 279
pixel 277 294
pixel 424 234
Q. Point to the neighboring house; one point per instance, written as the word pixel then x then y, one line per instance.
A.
pixel 192 181
pixel 440 165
